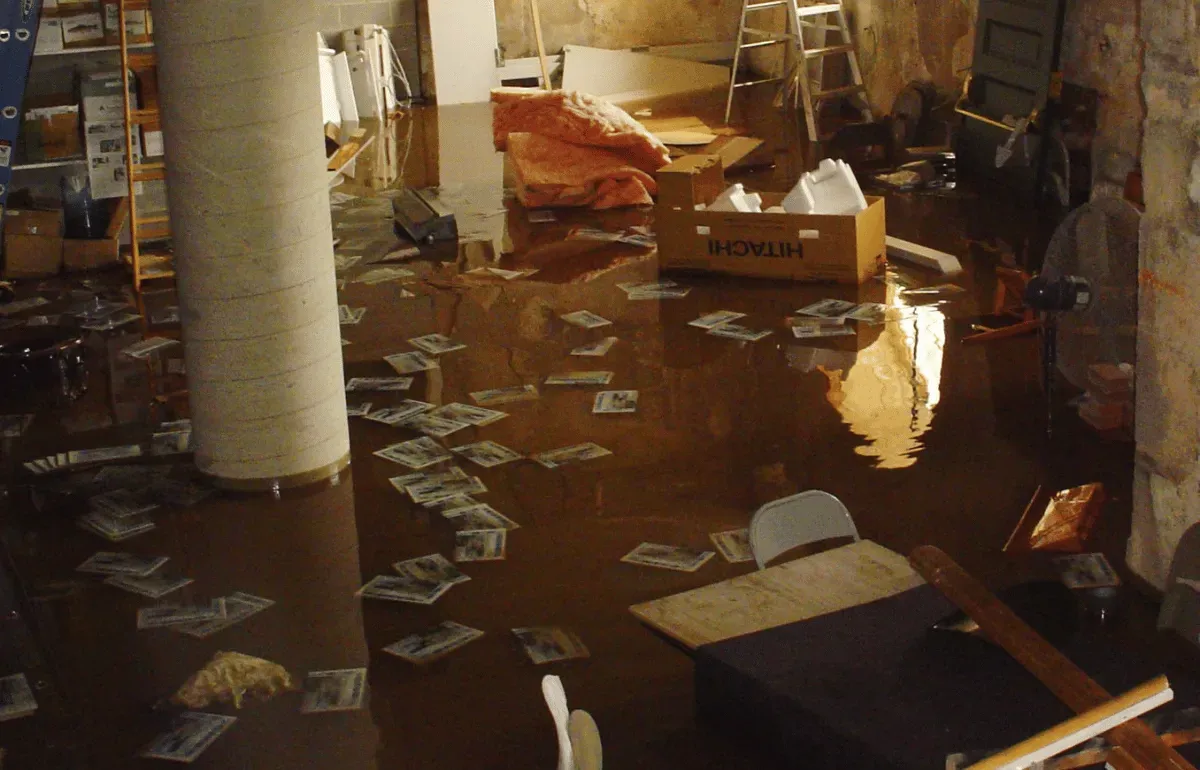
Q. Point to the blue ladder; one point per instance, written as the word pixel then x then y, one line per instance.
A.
pixel 18 35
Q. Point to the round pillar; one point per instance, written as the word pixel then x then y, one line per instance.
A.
pixel 246 180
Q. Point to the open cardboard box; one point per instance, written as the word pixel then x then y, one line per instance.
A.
pixel 80 254
pixel 801 247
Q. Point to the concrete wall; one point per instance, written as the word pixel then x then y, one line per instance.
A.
pixel 1167 477
pixel 399 16
pixel 614 23
pixel 1103 50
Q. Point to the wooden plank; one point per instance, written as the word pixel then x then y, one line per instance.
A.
pixel 541 45
pixel 835 580
pixel 1137 744
pixel 624 76
pixel 1077 729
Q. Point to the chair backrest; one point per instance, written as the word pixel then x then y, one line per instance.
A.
pixel 810 516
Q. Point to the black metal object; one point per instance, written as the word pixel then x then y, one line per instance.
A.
pixel 44 366
pixel 1051 296
pixel 423 217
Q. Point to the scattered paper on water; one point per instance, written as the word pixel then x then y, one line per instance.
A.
pixel 110 563
pixel 586 319
pixel 189 736
pixel 432 425
pixel 473 415
pixel 828 308
pixel 556 458
pixel 350 316
pixel 150 586
pixel 580 378
pixel 596 349
pixel 436 344
pixel 509 395
pixel 434 567
pixel 615 402
pixel 1086 570
pixel 718 318
pixel 340 690
pixel 872 313
pixel 343 262
pixel 434 643
pixel 816 328
pixel 384 274
pixel 678 292
pixel 488 454
pixel 16 698
pixel 410 362
pixel 546 644
pixel 737 332
pixel 479 516
pixel 358 410
pixel 395 415
pixel 668 557
pixel 379 383
pixel 480 545
pixel 734 545
pixel 238 606
pixel 416 454
pixel 172 615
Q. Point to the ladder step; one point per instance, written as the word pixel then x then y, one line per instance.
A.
pixel 771 33
pixel 153 175
pixel 851 89
pixel 761 43
pixel 766 5
pixel 142 61
pixel 141 117
pixel 818 10
pixel 156 220
pixel 815 25
pixel 756 82
pixel 831 50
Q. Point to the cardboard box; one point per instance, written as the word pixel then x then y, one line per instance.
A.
pixel 49 36
pixel 137 24
pixel 83 29
pixel 32 256
pixel 33 222
pixel 80 254
pixel 102 99
pixel 50 129
pixel 801 247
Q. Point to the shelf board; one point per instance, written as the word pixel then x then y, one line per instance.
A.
pixel 93 49
pixel 50 164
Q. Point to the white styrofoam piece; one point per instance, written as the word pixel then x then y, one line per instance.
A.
pixel 330 111
pixel 923 256
pixel 753 202
pixel 724 201
pixel 624 75
pixel 831 188
pixel 345 93
pixel 776 210
pixel 556 700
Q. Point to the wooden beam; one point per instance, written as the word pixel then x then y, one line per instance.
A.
pixel 1076 730
pixel 541 45
pixel 1068 682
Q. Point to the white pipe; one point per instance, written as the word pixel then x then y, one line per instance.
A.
pixel 245 154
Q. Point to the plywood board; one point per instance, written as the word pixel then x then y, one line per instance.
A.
pixel 464 42
pixel 835 580
pixel 622 76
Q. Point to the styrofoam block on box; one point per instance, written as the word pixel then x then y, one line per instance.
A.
pixel 923 256
pixel 829 189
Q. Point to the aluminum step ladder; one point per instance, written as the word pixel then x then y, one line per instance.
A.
pixel 18 35
pixel 798 81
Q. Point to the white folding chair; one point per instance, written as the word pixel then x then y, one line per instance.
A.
pixel 805 518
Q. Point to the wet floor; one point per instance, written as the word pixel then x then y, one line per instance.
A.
pixel 924 439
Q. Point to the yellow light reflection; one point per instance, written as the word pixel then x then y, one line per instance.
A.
pixel 889 393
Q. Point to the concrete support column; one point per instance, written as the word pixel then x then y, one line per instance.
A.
pixel 245 153
pixel 1167 480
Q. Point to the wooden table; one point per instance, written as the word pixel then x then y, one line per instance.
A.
pixel 834 580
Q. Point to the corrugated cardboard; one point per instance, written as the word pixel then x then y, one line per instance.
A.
pixel 843 249
pixel 32 256
pixel 94 253
pixel 50 129
pixel 33 222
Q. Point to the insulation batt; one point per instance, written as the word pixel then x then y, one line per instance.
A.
pixel 571 149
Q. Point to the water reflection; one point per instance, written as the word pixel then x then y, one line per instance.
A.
pixel 887 392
